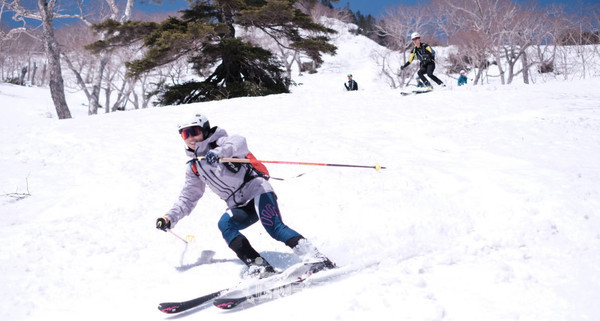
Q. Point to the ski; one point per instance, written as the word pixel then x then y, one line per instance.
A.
pixel 291 280
pixel 291 272
pixel 414 92
pixel 176 307
pixel 261 295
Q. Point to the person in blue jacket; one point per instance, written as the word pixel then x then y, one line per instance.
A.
pixel 462 79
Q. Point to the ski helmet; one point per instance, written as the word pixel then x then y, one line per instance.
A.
pixel 415 35
pixel 198 120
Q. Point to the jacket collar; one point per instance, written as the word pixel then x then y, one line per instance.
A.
pixel 204 146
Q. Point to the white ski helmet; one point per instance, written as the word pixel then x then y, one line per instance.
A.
pixel 415 35
pixel 198 120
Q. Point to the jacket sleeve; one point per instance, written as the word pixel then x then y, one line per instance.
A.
pixel 232 146
pixel 192 191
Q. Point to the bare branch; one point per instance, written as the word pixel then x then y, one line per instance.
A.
pixel 19 196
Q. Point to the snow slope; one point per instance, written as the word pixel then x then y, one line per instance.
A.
pixel 488 208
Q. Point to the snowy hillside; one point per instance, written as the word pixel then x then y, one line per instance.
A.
pixel 488 208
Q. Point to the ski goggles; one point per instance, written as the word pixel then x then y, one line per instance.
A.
pixel 190 132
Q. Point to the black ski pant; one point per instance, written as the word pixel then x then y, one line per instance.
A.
pixel 428 69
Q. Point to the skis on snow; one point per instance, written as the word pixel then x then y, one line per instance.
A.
pixel 290 281
pixel 176 307
pixel 415 92
pixel 260 295
pixel 296 273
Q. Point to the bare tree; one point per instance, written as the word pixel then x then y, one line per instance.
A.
pixel 46 13
pixel 19 51
pixel 594 12
pixel 383 58
pixel 574 42
pixel 57 87
pixel 475 27
pixel 78 60
pixel 513 35
pixel 317 11
pixel 114 13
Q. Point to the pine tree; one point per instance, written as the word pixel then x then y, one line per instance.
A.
pixel 205 36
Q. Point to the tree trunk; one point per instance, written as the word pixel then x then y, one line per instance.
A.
pixel 501 70
pixel 95 97
pixel 57 87
pixel 44 73
pixel 33 73
pixel 107 93
pixel 29 68
pixel 78 77
pixel 525 62
pixel 22 81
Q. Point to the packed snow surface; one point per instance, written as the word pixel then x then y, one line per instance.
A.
pixel 488 208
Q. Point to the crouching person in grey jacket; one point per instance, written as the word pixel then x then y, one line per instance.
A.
pixel 249 196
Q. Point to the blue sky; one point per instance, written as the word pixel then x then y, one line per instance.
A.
pixel 377 7
pixel 374 7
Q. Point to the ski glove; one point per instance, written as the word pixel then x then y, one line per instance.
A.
pixel 162 223
pixel 211 158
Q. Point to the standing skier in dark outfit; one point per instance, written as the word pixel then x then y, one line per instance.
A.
pixel 426 56
pixel 248 194
pixel 351 85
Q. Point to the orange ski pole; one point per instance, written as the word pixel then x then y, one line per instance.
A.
pixel 244 160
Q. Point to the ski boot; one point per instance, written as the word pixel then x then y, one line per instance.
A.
pixel 309 254
pixel 259 269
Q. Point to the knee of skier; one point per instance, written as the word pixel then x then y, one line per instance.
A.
pixel 224 222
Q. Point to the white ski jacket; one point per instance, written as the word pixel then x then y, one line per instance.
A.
pixel 235 183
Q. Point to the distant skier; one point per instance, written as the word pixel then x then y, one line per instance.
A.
pixel 248 194
pixel 426 56
pixel 462 79
pixel 351 85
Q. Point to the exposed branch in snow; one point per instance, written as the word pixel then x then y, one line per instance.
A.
pixel 19 196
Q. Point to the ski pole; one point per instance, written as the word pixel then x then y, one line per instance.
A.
pixel 245 160
pixel 177 236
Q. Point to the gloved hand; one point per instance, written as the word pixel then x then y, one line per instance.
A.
pixel 402 67
pixel 211 158
pixel 162 223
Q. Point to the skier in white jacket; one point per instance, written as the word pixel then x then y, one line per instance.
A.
pixel 248 194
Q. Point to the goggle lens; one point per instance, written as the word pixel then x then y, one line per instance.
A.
pixel 190 132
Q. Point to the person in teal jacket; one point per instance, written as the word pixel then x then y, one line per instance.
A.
pixel 462 79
